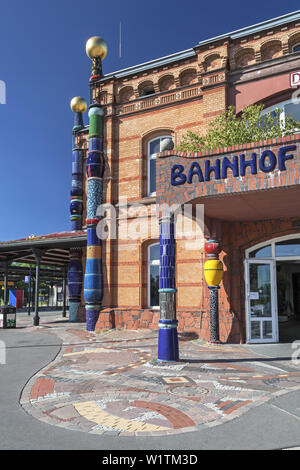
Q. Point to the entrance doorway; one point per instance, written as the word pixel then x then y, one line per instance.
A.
pixel 288 300
pixel 272 275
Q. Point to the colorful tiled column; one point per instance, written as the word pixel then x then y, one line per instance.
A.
pixel 168 350
pixel 213 272
pixel 93 279
pixel 78 106
pixel 75 272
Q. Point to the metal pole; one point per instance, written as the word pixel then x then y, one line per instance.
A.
pixel 36 319
pixel 38 255
pixel 5 283
pixel 51 296
pixel 29 291
pixel 64 293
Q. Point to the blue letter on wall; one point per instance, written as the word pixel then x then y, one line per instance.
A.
pixel 244 163
pixel 234 166
pixel 282 156
pixel 177 175
pixel 215 169
pixel 195 170
pixel 273 160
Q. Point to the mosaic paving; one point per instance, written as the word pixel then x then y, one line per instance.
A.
pixel 111 384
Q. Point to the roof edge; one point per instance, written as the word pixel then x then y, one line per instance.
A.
pixel 273 22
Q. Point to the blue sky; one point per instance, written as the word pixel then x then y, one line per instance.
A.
pixel 44 64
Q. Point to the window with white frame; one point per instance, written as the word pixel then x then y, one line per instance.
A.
pixel 153 275
pixel 154 147
pixel 287 108
pixel 296 47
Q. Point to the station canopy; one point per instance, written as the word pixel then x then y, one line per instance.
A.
pixel 53 248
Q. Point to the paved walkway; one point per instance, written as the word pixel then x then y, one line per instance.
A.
pixel 110 384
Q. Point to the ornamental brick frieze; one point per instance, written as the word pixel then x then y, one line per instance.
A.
pixel 159 100
pixel 213 79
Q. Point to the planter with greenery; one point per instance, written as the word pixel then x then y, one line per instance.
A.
pixel 229 129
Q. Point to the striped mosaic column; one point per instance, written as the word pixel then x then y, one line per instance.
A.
pixel 75 272
pixel 96 49
pixel 93 279
pixel 167 334
pixel 76 204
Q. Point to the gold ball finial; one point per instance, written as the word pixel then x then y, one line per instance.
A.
pixel 96 47
pixel 78 104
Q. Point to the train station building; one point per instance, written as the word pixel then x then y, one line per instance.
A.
pixel 249 194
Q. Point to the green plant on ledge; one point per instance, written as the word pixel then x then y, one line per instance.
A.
pixel 228 129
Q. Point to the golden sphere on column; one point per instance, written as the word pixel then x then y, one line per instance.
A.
pixel 96 47
pixel 78 104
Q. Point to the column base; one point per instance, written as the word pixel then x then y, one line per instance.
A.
pixel 92 315
pixel 168 350
pixel 73 311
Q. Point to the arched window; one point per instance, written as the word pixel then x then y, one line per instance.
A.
pixel 146 88
pixel 296 47
pixel 280 248
pixel 153 275
pixel 287 108
pixel 153 148
pixel 188 77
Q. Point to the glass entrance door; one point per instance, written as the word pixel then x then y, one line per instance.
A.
pixel 261 301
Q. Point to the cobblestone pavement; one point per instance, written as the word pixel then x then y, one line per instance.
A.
pixel 110 383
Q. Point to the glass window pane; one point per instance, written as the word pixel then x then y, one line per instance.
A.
pixel 154 286
pixel 154 252
pixel 292 110
pixel 152 176
pixel 255 330
pixel 154 146
pixel 296 48
pixel 265 252
pixel 260 290
pixel 288 248
pixel 163 138
pixel 267 330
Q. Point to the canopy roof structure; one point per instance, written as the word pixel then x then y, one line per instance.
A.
pixel 48 254
pixel 54 248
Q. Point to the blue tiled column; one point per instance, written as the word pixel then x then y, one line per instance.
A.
pixel 75 272
pixel 167 334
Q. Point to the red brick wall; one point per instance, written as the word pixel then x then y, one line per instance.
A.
pixel 169 194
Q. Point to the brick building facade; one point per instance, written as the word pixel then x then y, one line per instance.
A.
pixel 164 98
